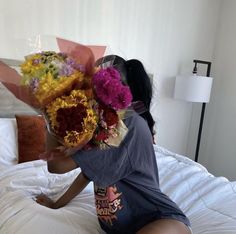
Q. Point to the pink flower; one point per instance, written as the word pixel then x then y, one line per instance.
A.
pixel 123 98
pixel 110 90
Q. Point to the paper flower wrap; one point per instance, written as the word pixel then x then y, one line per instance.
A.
pixel 80 103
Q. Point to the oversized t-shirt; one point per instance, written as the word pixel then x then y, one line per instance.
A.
pixel 126 182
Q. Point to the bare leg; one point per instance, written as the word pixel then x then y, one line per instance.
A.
pixel 165 226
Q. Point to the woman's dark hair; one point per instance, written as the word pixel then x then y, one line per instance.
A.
pixel 134 75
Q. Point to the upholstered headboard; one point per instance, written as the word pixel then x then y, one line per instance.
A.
pixel 9 105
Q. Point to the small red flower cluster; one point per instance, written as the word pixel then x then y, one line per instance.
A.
pixel 109 115
pixel 108 122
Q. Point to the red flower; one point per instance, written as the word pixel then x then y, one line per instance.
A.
pixel 109 116
pixel 71 119
pixel 101 136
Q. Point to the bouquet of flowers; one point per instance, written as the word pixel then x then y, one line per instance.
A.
pixel 81 103
pixel 56 82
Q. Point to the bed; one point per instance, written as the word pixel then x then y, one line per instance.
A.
pixel 208 201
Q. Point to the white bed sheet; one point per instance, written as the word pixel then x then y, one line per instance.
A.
pixel 208 201
pixel 20 214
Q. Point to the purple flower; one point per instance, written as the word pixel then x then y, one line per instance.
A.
pixel 66 70
pixel 79 67
pixel 72 63
pixel 69 62
pixel 35 61
pixel 34 83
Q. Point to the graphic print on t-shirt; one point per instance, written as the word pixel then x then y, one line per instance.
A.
pixel 108 203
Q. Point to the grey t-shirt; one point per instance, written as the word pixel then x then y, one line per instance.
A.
pixel 126 182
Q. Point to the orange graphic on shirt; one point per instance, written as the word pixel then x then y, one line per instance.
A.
pixel 108 202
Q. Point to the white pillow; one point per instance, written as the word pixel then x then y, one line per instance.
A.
pixel 8 141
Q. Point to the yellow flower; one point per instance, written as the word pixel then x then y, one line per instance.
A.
pixel 42 72
pixel 50 88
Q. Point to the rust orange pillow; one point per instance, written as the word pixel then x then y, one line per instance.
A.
pixel 31 137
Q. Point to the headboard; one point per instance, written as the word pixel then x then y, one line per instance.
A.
pixel 10 105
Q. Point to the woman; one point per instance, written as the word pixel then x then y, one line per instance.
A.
pixel 127 193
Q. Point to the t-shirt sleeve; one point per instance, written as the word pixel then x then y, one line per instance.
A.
pixel 107 166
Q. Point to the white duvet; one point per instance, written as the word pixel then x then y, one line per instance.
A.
pixel 209 202
pixel 19 213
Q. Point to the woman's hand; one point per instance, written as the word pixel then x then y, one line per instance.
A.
pixel 45 201
pixel 75 188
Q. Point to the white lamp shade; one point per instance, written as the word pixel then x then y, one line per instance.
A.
pixel 193 88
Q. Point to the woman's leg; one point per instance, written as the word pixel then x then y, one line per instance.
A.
pixel 165 226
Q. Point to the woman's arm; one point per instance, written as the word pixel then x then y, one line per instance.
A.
pixel 76 187
pixel 57 159
pixel 61 165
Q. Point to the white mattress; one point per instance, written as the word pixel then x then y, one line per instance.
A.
pixel 208 201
